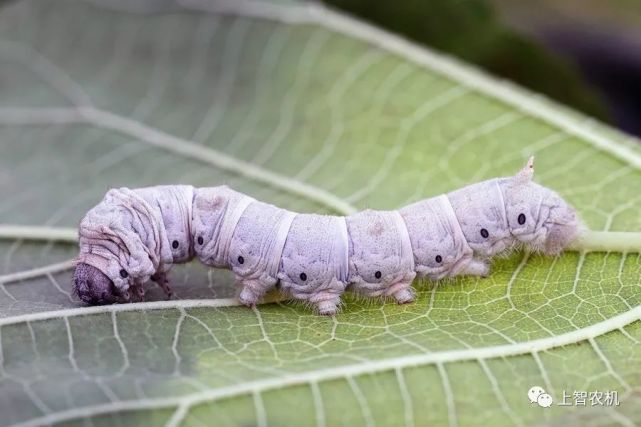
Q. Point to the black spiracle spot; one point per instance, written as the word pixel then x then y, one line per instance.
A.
pixel 175 244
pixel 378 274
pixel 241 260
pixel 521 219
pixel 484 233
pixel 303 276
pixel 124 274
pixel 200 240
pixel 439 258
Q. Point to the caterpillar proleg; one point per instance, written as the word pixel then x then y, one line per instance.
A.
pixel 133 236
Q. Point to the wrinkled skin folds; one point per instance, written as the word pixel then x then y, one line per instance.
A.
pixel 134 236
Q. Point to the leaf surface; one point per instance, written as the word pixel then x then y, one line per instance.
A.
pixel 313 111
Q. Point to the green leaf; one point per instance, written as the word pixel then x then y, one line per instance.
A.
pixel 311 110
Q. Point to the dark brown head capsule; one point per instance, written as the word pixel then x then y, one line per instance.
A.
pixel 93 287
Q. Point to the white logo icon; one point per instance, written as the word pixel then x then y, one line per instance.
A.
pixel 544 400
pixel 537 395
pixel 534 393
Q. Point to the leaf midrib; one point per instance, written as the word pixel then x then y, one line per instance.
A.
pixel 534 104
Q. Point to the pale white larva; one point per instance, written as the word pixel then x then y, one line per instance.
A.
pixel 136 235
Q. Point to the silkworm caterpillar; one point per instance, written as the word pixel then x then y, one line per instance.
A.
pixel 133 236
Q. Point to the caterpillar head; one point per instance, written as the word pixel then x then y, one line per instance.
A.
pixel 537 216
pixel 113 256
pixel 94 287
pixel 106 269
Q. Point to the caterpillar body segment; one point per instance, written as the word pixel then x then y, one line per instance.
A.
pixel 381 260
pixel 133 236
pixel 216 212
pixel 314 264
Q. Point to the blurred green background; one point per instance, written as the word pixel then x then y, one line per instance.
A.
pixel 583 53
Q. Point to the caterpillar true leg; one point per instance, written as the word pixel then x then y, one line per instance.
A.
pixel 139 290
pixel 162 279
